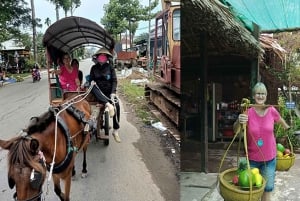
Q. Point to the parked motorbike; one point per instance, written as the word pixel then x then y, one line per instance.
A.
pixel 36 76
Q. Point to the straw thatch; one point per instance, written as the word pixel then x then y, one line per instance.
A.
pixel 224 34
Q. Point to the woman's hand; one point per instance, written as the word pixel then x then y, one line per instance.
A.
pixel 243 118
pixel 113 96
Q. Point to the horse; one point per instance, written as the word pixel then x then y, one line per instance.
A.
pixel 62 131
pixel 25 166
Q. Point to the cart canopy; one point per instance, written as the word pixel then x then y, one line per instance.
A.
pixel 69 33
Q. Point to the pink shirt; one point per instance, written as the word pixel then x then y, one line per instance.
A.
pixel 260 134
pixel 67 79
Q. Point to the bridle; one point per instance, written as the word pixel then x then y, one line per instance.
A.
pixel 37 197
pixel 35 178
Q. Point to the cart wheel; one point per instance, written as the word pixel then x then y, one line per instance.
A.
pixel 120 66
pixel 106 127
pixel 99 125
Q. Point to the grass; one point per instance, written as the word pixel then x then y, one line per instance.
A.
pixel 135 96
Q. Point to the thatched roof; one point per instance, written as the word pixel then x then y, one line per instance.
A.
pixel 225 34
pixel 268 43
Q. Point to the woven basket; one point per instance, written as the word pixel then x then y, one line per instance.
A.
pixel 284 164
pixel 231 192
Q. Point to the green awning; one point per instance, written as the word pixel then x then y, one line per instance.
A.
pixel 270 15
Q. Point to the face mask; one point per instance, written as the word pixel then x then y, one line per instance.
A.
pixel 102 58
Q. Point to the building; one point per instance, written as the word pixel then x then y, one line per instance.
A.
pixel 13 54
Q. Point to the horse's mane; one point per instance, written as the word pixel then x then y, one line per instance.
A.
pixel 39 124
pixel 21 153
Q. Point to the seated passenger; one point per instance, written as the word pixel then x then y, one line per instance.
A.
pixel 68 75
pixel 75 64
pixel 104 80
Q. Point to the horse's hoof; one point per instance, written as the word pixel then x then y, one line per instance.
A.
pixel 74 178
pixel 84 175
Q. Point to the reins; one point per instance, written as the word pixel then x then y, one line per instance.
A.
pixel 64 106
pixel 114 101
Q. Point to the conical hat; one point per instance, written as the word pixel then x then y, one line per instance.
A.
pixel 103 51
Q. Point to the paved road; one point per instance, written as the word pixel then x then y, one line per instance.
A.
pixel 115 173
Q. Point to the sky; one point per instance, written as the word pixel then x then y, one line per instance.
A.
pixel 90 9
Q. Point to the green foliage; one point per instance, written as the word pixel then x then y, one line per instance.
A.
pixel 29 63
pixel 69 5
pixel 289 74
pixel 242 165
pixel 284 112
pixel 291 117
pixel 143 36
pixel 118 14
pixel 13 15
pixel 135 96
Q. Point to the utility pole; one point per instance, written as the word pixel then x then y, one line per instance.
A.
pixel 149 38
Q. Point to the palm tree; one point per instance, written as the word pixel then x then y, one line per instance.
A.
pixel 47 21
pixel 57 4
pixel 33 30
pixel 67 5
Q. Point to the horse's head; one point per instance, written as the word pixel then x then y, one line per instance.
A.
pixel 26 168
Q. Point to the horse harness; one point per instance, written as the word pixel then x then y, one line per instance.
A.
pixel 80 117
pixel 36 178
pixel 36 181
pixel 37 197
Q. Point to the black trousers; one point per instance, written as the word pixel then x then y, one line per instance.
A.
pixel 104 98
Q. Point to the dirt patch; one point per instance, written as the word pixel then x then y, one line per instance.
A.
pixel 160 152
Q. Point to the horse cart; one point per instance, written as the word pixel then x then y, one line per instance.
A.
pixel 52 140
pixel 65 36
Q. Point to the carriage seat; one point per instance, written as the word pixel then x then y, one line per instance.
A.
pixel 90 98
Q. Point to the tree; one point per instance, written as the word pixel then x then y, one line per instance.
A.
pixel 142 37
pixel 13 15
pixel 57 4
pixel 33 30
pixel 47 21
pixel 70 5
pixel 121 15
pixel 290 74
pixel 66 5
pixel 112 20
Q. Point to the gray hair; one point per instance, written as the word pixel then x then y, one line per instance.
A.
pixel 259 86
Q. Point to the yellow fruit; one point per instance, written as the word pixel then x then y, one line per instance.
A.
pixel 258 180
pixel 286 156
pixel 255 171
pixel 279 154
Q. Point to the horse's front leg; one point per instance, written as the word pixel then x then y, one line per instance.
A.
pixel 57 188
pixel 84 165
pixel 73 171
pixel 68 183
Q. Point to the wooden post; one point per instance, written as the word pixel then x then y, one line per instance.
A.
pixel 203 103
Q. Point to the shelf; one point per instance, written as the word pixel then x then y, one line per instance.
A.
pixel 225 121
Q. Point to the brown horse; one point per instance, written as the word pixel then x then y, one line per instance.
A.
pixel 26 167
pixel 61 132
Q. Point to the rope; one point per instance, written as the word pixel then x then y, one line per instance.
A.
pixel 64 107
pixel 114 101
pixel 244 106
